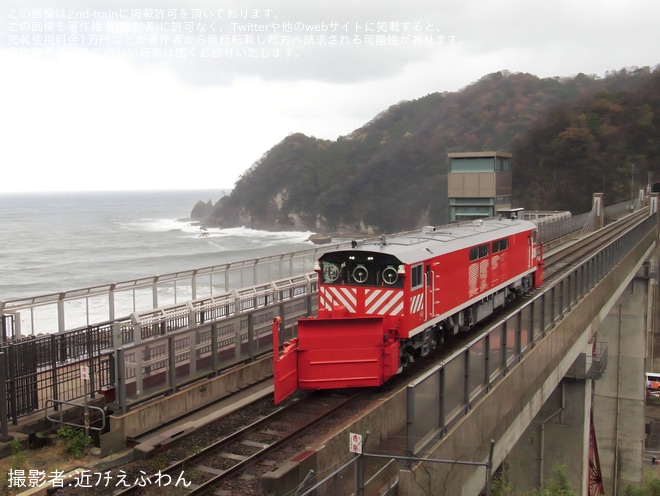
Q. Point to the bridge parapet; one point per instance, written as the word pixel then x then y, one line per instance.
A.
pixel 504 378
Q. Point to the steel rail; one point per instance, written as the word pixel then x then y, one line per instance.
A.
pixel 222 446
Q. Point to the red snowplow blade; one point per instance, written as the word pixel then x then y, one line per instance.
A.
pixel 334 354
pixel 285 372
pixel 285 368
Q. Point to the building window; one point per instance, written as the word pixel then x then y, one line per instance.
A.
pixel 484 164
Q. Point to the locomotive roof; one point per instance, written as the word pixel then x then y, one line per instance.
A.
pixel 418 245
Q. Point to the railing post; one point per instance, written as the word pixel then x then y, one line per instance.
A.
pixel 441 401
pixel 250 330
pixel 53 361
pixel 214 347
pixel 503 346
pixel 518 331
pixel 171 371
pixel 4 428
pixel 92 355
pixel 466 379
pixel 530 324
pixel 120 375
pixel 542 312
pixel 193 339
pixel 410 416
pixel 13 406
pixel 60 314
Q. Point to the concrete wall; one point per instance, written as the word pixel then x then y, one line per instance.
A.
pixel 158 412
pixel 558 435
pixel 506 412
pixel 620 394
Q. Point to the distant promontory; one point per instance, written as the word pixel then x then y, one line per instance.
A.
pixel 570 137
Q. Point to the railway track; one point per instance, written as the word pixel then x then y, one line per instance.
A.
pixel 214 467
pixel 573 253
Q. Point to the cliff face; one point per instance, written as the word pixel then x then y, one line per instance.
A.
pixel 201 211
pixel 391 174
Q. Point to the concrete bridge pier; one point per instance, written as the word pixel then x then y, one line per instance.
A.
pixel 608 376
pixel 558 435
pixel 620 396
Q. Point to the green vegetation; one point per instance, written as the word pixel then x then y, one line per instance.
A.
pixel 557 485
pixel 651 487
pixel 18 463
pixel 75 442
pixel 569 137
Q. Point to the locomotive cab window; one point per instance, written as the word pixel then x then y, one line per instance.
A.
pixel 361 268
pixel 416 279
pixel 477 252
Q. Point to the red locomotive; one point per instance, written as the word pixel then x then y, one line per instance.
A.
pixel 381 305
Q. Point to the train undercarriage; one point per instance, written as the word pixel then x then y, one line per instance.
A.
pixel 464 320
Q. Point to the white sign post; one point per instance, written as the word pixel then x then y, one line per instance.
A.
pixel 84 375
pixel 355 444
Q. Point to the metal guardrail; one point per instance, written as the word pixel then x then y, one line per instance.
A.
pixel 439 399
pixel 153 351
pixel 59 420
pixel 79 308
pixel 84 307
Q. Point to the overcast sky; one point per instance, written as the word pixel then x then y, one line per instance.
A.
pixel 165 94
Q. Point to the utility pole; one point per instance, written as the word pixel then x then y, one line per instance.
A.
pixel 632 184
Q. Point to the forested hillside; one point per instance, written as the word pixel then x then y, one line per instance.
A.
pixel 570 137
pixel 600 143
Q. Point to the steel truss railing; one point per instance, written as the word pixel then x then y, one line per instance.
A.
pixel 150 352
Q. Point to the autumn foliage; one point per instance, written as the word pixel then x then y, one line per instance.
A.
pixel 570 137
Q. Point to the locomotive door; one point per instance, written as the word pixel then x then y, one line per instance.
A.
pixel 433 288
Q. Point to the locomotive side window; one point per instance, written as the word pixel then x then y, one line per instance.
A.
pixel 477 252
pixel 416 279
pixel 500 245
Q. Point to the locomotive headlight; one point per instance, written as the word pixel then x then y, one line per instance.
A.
pixel 390 275
pixel 360 274
pixel 332 272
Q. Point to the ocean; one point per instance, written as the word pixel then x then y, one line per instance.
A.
pixel 53 242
